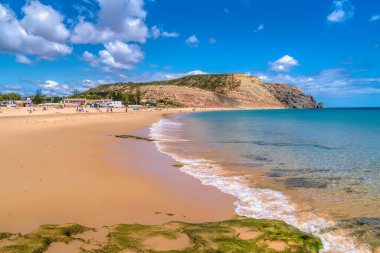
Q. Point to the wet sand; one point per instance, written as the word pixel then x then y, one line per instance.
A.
pixel 69 168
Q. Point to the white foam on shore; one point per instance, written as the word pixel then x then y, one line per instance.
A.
pixel 252 202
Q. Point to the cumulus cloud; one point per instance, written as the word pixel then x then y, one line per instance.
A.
pixel 284 64
pixel 120 56
pixel 50 84
pixel 44 21
pixel 338 82
pixel 116 56
pixel 156 33
pixel 192 41
pixel 54 88
pixel 30 35
pixel 343 10
pixel 90 59
pixel 374 18
pixel 117 20
pixel 20 58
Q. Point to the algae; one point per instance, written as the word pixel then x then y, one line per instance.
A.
pixel 214 237
pixel 39 240
pixel 204 237
pixel 5 235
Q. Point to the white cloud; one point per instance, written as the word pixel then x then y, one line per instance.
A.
pixel 44 21
pixel 343 10
pixel 120 56
pixel 192 41
pixel 88 84
pixel 374 18
pixel 117 20
pixel 90 59
pixel 196 73
pixel 54 88
pixel 260 28
pixel 20 37
pixel 284 64
pixel 115 57
pixel 156 33
pixel 213 41
pixel 336 82
pixel 170 34
pixel 50 84
pixel 20 58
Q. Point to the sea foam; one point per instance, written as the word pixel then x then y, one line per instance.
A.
pixel 253 202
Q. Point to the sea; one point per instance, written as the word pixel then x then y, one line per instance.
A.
pixel 318 170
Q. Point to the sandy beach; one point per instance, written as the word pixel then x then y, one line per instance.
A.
pixel 64 167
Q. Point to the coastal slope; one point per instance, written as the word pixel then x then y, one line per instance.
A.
pixel 215 90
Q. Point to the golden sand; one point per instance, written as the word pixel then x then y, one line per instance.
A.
pixel 65 167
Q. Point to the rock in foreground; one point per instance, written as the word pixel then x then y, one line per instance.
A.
pixel 236 235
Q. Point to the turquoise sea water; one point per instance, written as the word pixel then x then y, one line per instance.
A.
pixel 326 159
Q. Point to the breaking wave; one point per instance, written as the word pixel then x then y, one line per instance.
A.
pixel 252 202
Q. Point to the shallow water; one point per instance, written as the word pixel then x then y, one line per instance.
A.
pixel 315 169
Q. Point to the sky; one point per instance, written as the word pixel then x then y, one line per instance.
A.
pixel 329 48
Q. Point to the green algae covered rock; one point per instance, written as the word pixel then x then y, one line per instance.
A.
pixel 236 235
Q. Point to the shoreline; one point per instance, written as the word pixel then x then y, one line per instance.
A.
pixel 210 172
pixel 72 171
pixel 68 168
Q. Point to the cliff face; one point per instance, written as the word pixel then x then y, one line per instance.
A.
pixel 221 90
pixel 291 97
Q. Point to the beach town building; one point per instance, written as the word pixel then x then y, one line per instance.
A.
pixel 84 101
pixel 116 104
pixel 92 102
pixel 24 103
pixel 16 103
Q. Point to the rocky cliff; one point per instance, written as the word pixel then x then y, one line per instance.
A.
pixel 291 97
pixel 217 90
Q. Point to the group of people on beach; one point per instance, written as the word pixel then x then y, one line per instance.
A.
pixel 80 109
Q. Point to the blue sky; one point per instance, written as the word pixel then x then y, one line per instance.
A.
pixel 329 48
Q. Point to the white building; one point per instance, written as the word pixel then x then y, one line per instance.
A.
pixel 115 104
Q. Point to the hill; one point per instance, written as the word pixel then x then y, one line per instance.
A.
pixel 216 90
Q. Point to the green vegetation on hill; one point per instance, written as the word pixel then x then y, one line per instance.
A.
pixel 211 90
pixel 10 96
pixel 214 82
pixel 236 235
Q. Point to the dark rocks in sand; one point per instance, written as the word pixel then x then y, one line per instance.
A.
pixel 366 229
pixel 302 182
pixel 127 136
